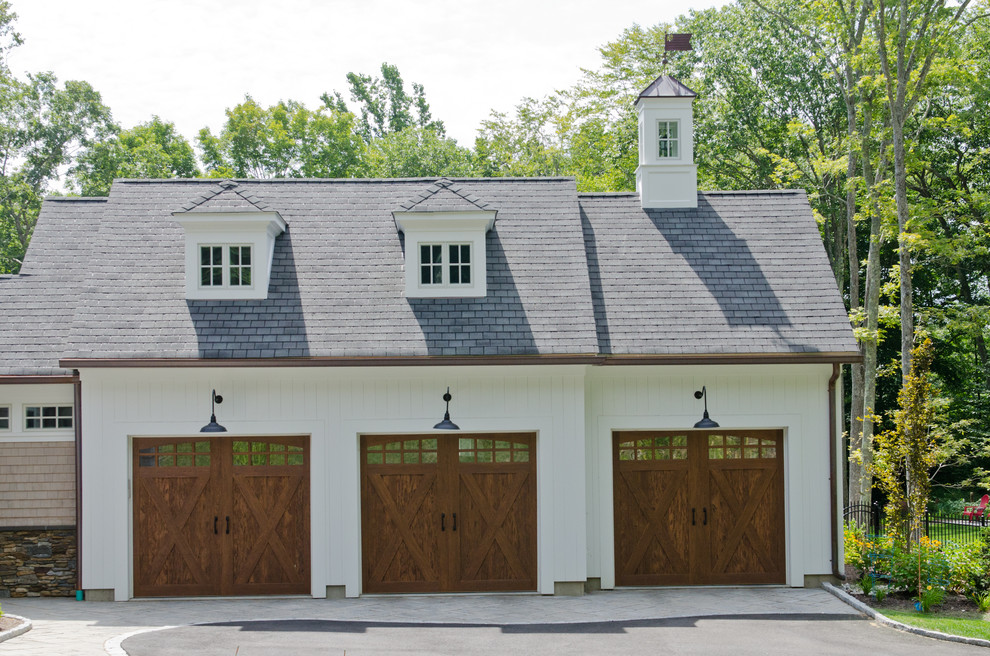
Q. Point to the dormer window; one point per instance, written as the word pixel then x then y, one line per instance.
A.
pixel 445 264
pixel 230 244
pixel 668 140
pixel 225 266
pixel 445 232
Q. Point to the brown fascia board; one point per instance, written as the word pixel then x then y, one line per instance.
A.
pixel 38 380
pixel 455 360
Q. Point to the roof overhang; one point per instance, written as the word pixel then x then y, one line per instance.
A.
pixel 482 220
pixel 468 360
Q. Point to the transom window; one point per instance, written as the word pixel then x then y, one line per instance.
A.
pixel 47 417
pixel 668 139
pixel 444 264
pixel 225 266
pixel 4 417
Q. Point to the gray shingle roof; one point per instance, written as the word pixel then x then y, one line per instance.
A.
pixel 36 307
pixel 337 286
pixel 225 197
pixel 569 274
pixel 444 196
pixel 745 272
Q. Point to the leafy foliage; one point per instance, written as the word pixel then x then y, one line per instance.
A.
pixel 43 124
pixel 150 150
pixel 286 140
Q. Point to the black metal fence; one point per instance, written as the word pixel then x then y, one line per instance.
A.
pixel 943 527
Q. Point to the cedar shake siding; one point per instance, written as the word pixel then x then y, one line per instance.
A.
pixel 37 484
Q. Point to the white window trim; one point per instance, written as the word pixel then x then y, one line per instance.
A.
pixel 445 265
pixel 42 429
pixel 677 141
pixel 446 228
pixel 9 418
pixel 225 266
pixel 255 229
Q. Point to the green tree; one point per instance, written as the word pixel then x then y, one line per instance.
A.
pixel 149 150
pixel 286 140
pixel 906 456
pixel 42 125
pixel 385 105
pixel 532 143
pixel 416 152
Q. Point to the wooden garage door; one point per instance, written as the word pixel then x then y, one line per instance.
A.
pixel 698 507
pixel 221 516
pixel 448 513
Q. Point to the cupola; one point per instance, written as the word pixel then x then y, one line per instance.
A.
pixel 667 176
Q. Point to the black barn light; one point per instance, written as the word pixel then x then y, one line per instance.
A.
pixel 447 424
pixel 213 426
pixel 706 421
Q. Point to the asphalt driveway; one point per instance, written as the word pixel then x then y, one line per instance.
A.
pixel 736 635
pixel 770 620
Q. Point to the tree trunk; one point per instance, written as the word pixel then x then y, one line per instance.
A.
pixel 860 479
pixel 904 251
pixel 856 370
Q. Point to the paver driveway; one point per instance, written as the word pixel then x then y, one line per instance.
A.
pixel 671 621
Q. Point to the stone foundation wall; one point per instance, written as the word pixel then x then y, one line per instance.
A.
pixel 37 562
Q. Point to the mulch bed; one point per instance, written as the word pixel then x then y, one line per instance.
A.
pixel 953 605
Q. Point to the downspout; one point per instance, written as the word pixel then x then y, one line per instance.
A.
pixel 77 396
pixel 833 479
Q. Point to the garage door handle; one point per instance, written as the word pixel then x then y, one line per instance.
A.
pixel 215 519
pixel 228 524
pixel 442 518
pixel 455 521
pixel 704 520
pixel 692 517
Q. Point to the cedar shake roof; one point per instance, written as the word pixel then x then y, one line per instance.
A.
pixel 568 274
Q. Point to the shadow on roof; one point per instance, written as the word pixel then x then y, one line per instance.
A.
pixel 271 328
pixel 494 325
pixel 711 249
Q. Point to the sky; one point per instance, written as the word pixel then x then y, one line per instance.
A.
pixel 189 60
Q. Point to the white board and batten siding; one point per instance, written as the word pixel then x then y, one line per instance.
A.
pixel 334 406
pixel 792 398
pixel 572 409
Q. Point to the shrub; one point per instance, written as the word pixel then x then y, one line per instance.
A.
pixel 930 597
pixel 980 577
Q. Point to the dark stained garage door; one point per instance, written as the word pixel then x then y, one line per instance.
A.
pixel 221 516
pixel 698 508
pixel 448 513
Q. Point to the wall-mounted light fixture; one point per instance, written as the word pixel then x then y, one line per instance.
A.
pixel 706 421
pixel 447 424
pixel 213 426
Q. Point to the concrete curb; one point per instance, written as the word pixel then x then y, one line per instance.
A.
pixel 113 646
pixel 24 627
pixel 894 624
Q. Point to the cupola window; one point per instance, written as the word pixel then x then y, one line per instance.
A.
pixel 668 141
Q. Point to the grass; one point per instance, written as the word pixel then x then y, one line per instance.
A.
pixel 960 533
pixel 955 624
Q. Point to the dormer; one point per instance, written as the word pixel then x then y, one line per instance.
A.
pixel 445 232
pixel 230 242
pixel 667 176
